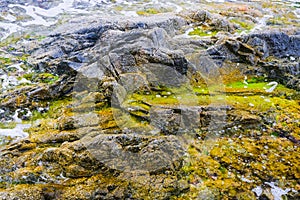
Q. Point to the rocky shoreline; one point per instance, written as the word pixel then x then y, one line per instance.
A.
pixel 142 108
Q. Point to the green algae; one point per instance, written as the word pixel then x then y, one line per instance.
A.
pixel 47 123
pixel 282 16
pixel 151 11
pixel 5 61
pixel 234 166
pixel 252 90
pixel 245 25
pixel 200 31
pixel 9 125
pixel 18 37
pixel 10 40
pixel 41 77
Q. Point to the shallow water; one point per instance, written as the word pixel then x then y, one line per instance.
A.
pixel 30 16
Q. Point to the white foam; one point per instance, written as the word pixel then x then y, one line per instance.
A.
pixel 277 192
pixel 258 190
pixel 15 116
pixel 273 84
pixel 261 24
pixel 178 8
pixel 41 16
pixel 9 29
pixel 7 82
pixel 129 13
pixel 49 17
pixel 18 131
pixel 246 180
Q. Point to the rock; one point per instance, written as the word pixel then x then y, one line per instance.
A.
pixel 78 121
pixel 202 16
pixel 215 22
pixel 277 44
pixel 258 48
pixel 166 120
pixel 30 96
pixel 133 118
pixel 132 153
pixel 65 51
pixel 258 45
pixel 285 71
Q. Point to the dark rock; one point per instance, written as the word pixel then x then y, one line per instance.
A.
pixel 255 49
pixel 284 71
pixel 202 16
pixel 29 95
pixel 75 41
pixel 277 44
pixel 260 45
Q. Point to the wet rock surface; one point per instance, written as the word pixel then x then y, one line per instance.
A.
pixel 133 109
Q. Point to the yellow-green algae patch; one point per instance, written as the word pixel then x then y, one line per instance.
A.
pixel 201 31
pixel 8 125
pixel 245 25
pixel 232 167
